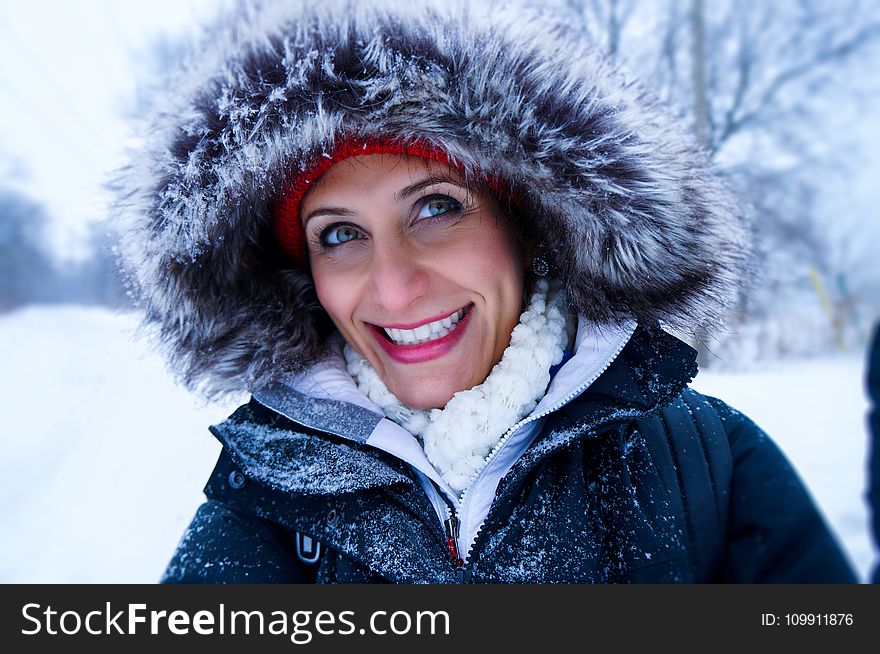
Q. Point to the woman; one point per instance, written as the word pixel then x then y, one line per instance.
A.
pixel 437 246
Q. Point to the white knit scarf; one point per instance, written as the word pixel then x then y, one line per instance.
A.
pixel 458 438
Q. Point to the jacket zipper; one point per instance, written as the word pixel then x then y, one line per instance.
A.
pixel 452 530
pixel 451 526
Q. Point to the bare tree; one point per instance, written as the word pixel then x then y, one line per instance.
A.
pixel 603 21
pixel 700 92
pixel 101 281
pixel 24 264
pixel 759 83
pixel 771 59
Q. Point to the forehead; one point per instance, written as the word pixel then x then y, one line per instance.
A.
pixel 377 174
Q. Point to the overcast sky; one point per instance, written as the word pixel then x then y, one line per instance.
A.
pixel 68 71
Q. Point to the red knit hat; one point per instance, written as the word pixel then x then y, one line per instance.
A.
pixel 285 209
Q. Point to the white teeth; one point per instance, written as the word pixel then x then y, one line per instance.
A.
pixel 425 333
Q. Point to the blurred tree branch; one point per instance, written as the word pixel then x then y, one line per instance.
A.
pixel 761 84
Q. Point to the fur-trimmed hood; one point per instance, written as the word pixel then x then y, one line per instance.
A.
pixel 627 208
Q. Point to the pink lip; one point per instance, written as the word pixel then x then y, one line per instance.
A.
pixel 424 351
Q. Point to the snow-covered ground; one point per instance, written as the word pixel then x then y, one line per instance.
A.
pixel 104 458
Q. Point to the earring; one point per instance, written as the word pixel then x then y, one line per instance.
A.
pixel 540 267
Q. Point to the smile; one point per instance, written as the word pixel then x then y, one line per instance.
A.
pixel 426 333
pixel 420 343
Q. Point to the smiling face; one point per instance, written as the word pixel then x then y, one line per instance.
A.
pixel 421 275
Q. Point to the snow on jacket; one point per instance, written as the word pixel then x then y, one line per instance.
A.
pixel 637 480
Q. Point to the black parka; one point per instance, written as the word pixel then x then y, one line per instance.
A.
pixel 638 480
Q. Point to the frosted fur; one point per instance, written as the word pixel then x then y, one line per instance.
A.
pixel 611 191
pixel 458 437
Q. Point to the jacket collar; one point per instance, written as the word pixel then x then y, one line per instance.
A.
pixel 272 438
pixel 653 369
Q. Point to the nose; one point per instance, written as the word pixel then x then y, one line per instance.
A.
pixel 397 277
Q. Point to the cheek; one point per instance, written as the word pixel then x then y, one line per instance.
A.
pixel 492 267
pixel 336 295
pixel 499 267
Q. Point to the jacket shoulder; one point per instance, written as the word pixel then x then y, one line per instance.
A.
pixel 775 531
pixel 226 543
pixel 225 546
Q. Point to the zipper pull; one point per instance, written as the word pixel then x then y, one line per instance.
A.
pixel 451 526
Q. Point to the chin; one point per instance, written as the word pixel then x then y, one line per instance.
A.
pixel 435 399
pixel 427 392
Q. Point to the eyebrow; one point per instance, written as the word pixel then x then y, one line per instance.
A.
pixel 433 180
pixel 328 211
pixel 403 194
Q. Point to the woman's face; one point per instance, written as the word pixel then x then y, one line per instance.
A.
pixel 421 275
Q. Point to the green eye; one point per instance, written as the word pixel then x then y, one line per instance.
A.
pixel 438 205
pixel 339 234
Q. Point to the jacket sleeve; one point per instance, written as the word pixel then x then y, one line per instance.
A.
pixel 873 383
pixel 775 532
pixel 223 546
